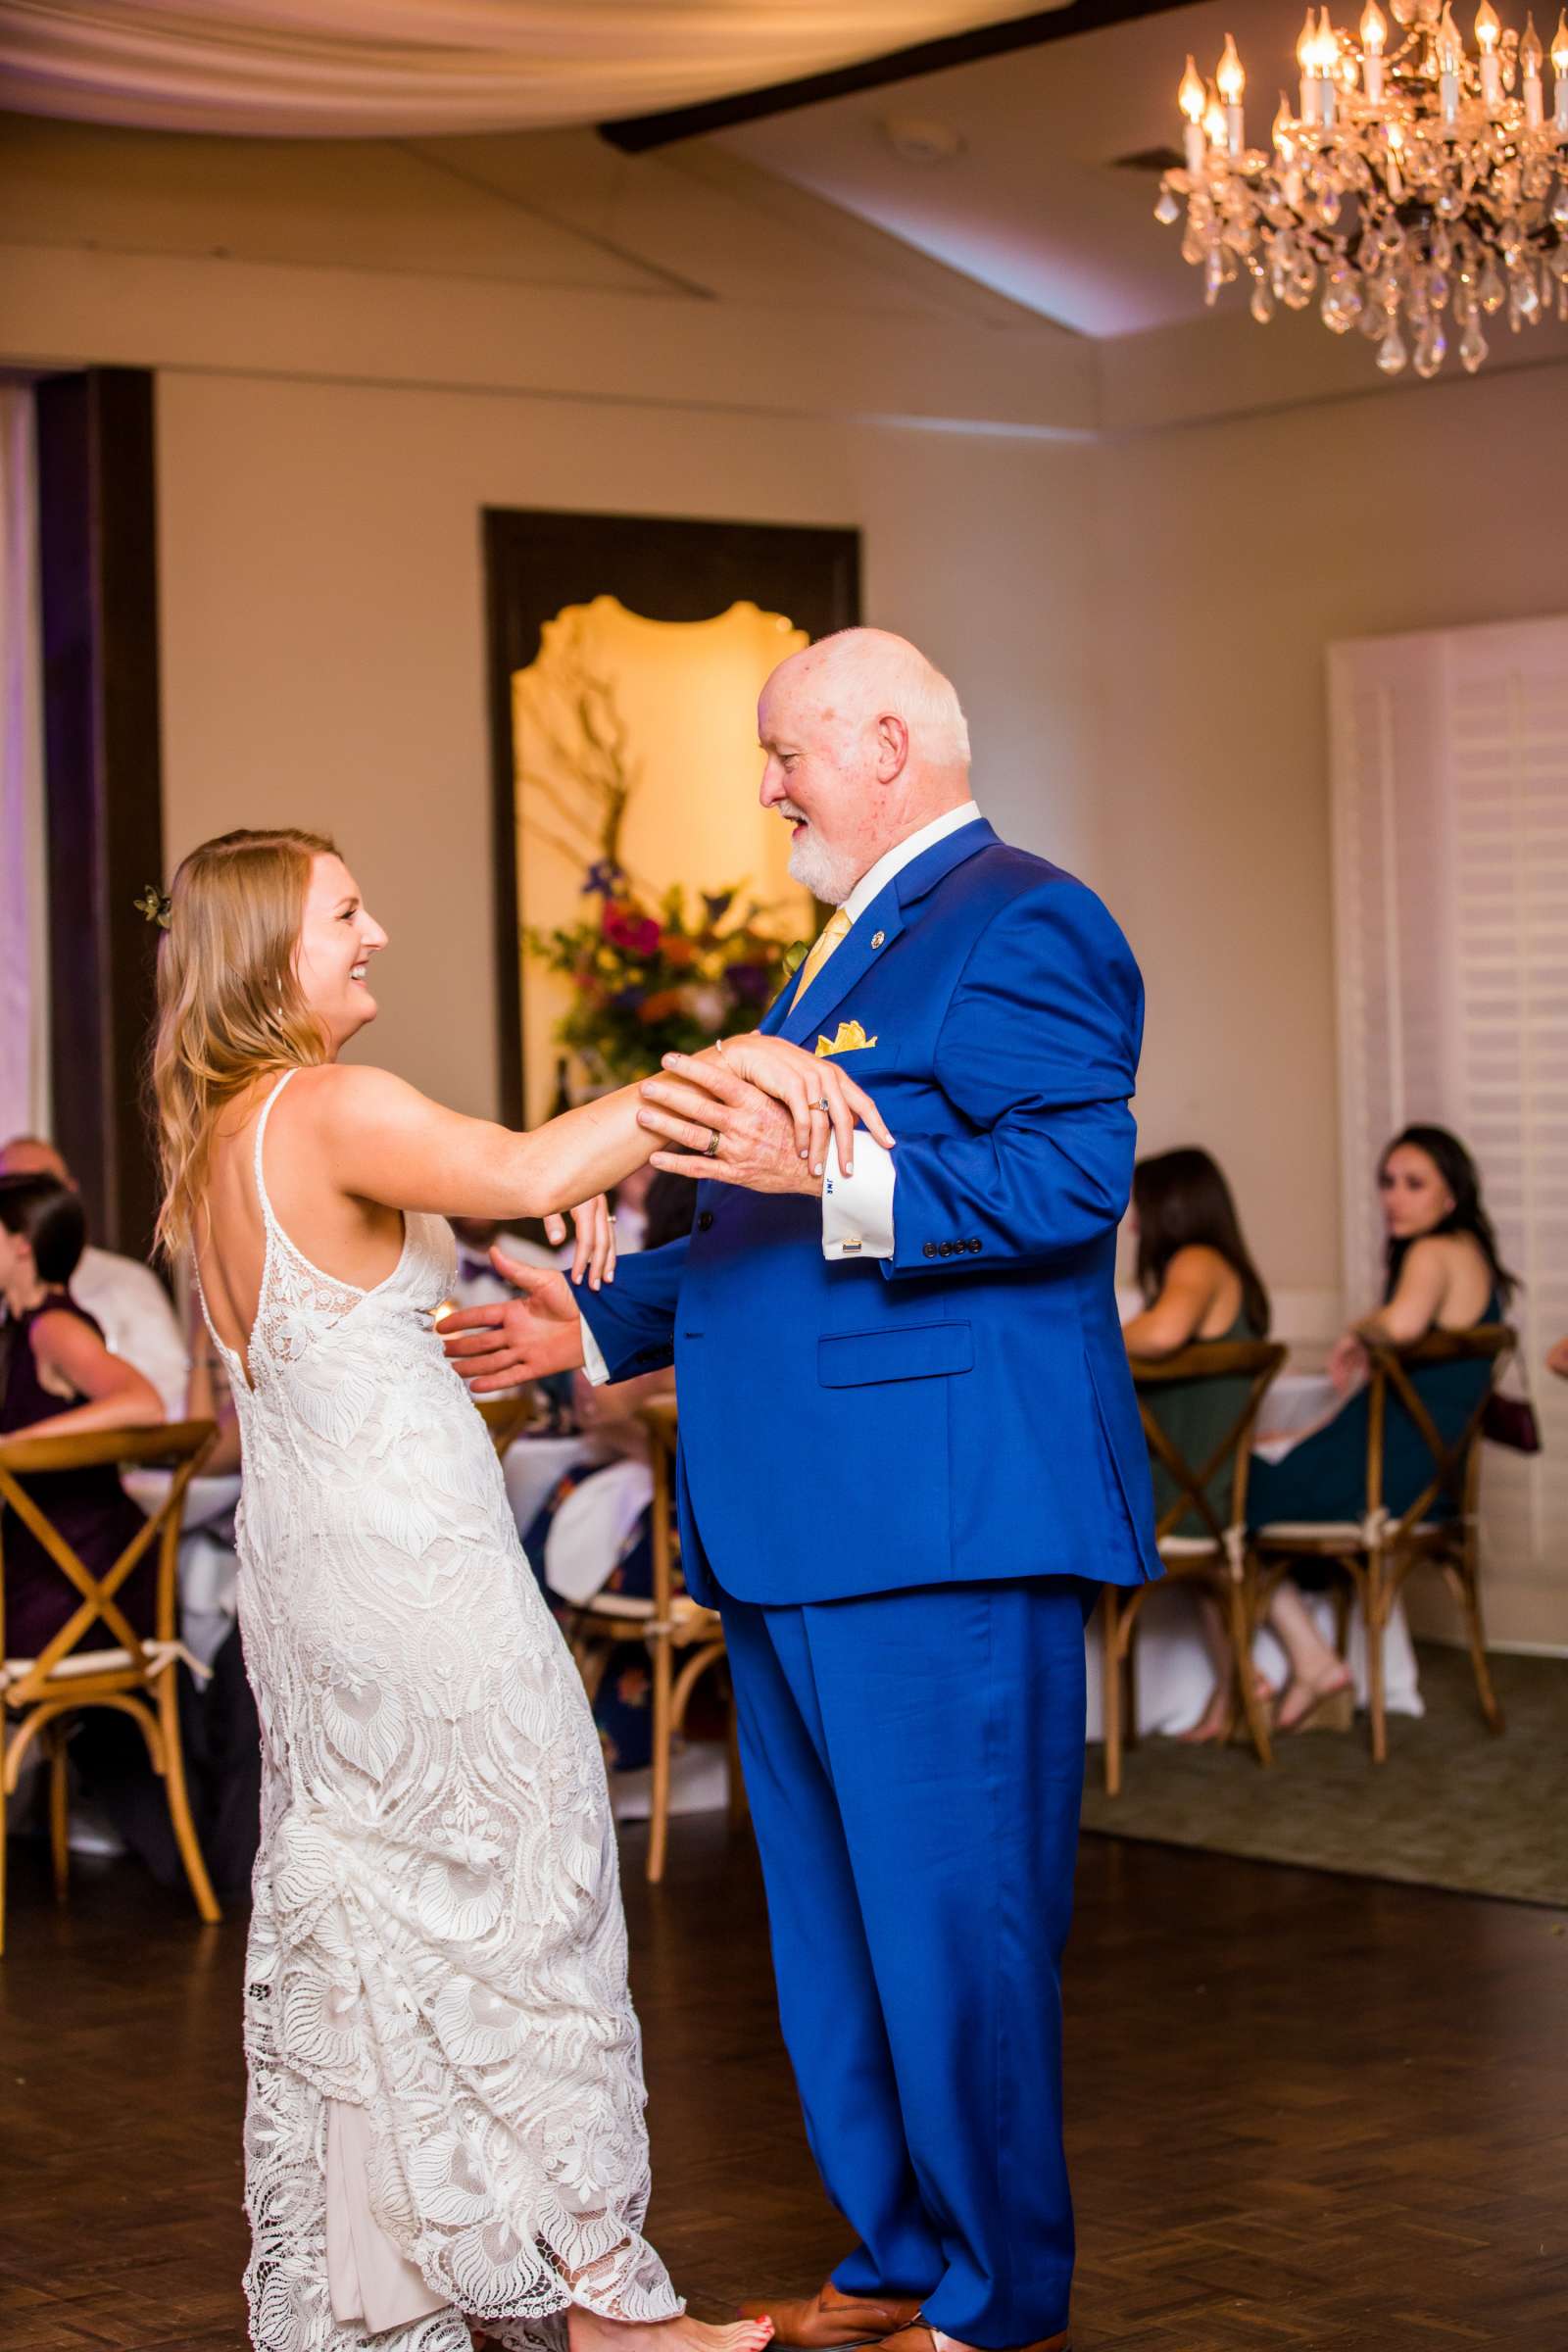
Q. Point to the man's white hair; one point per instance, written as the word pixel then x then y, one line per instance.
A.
pixel 902 681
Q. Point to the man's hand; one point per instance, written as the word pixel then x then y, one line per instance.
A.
pixel 757 1137
pixel 515 1339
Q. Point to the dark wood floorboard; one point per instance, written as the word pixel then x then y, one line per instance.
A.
pixel 1307 2113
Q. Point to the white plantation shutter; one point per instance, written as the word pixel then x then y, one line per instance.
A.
pixel 1449 757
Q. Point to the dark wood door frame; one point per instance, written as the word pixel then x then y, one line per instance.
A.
pixel 98 595
pixel 537 561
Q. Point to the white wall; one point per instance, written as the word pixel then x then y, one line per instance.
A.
pixel 323 625
pixel 1225 556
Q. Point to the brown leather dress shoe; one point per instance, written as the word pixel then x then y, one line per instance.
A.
pixel 919 2337
pixel 832 2322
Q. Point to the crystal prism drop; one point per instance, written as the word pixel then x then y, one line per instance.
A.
pixel 1430 350
pixel 1472 346
pixel 1491 289
pixel 1167 209
pixel 1391 353
pixel 1262 303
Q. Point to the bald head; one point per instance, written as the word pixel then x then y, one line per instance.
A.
pixel 865 742
pixel 31 1156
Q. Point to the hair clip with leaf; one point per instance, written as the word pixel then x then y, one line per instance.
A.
pixel 153 906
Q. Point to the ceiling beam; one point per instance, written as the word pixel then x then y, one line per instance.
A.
pixel 637 135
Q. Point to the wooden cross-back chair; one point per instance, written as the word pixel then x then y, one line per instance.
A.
pixel 1218 1557
pixel 506 1417
pixel 1380 1553
pixel 97 1658
pixel 672 1626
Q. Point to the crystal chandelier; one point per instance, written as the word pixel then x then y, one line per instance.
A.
pixel 1416 191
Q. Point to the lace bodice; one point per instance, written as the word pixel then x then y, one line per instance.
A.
pixel 437 1934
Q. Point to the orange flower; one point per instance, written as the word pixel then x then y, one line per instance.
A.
pixel 658 1006
pixel 678 950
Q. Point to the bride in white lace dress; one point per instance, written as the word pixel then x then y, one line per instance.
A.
pixel 445 2118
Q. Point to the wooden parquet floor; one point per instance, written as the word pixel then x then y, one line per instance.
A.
pixel 1307 2113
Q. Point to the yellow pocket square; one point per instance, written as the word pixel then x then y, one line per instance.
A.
pixel 851 1038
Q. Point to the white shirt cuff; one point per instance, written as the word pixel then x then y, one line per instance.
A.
pixel 593 1355
pixel 857 1210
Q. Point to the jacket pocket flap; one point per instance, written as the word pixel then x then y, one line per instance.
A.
pixel 861 1360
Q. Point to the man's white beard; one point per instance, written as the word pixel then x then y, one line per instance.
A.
pixel 826 876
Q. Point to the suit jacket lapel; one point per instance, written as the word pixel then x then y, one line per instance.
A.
pixel 872 934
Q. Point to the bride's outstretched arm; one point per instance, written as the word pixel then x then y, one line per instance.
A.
pixel 385 1140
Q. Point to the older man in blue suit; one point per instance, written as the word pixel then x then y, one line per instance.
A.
pixel 910 1454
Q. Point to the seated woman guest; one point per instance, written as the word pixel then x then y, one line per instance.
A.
pixel 1443 1273
pixel 1199 1282
pixel 60 1379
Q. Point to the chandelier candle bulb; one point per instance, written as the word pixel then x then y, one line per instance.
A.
pixel 1328 66
pixel 1488 31
pixel 1306 58
pixel 1192 97
pixel 1374 33
pixel 1559 67
pixel 1232 80
pixel 1530 58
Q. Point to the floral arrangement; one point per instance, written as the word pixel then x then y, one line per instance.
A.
pixel 645 984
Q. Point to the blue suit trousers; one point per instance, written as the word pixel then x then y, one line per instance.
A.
pixel 914 1761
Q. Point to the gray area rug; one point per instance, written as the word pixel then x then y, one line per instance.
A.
pixel 1453 1806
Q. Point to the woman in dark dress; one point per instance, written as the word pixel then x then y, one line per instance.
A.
pixel 59 1380
pixel 1443 1273
pixel 1199 1282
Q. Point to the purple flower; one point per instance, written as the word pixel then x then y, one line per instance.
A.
pixel 627 999
pixel 751 983
pixel 718 903
pixel 603 877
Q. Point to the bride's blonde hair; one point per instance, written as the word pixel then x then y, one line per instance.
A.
pixel 230 1006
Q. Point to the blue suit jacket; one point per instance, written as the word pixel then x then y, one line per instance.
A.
pixel 962 1410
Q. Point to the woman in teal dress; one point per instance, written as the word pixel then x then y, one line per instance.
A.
pixel 1443 1273
pixel 1199 1282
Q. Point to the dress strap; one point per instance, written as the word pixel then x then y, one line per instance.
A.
pixel 267 1218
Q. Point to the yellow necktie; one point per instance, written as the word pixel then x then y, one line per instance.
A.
pixel 834 930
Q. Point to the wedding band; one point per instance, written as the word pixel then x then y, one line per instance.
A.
pixel 710 1149
pixel 824 1103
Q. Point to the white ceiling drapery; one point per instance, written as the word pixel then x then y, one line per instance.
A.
pixel 334 68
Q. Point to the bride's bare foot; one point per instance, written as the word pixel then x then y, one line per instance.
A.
pixel 588 2333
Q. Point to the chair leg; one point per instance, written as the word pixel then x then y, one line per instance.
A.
pixel 1376 1606
pixel 1129 1705
pixel 178 1800
pixel 663 1738
pixel 1238 1619
pixel 59 1811
pixel 1110 1689
pixel 1469 1594
pixel 4 1841
pixel 1342 1617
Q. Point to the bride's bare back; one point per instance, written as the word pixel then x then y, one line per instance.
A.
pixel 355 1239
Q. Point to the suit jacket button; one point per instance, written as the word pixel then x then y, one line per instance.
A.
pixel 947 1250
pixel 928 1250
pixel 704 1219
pixel 975 1242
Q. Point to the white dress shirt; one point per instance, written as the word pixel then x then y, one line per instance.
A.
pixel 856 1209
